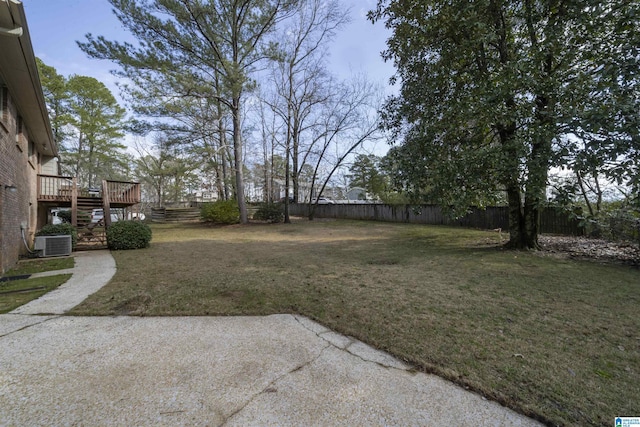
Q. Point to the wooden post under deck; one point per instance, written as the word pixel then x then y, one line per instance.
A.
pixel 106 204
pixel 74 203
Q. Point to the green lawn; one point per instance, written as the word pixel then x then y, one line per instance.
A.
pixel 555 339
pixel 15 293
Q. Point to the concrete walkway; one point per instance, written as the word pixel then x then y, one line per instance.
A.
pixel 92 270
pixel 213 371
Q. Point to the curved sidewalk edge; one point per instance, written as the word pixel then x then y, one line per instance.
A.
pixel 92 270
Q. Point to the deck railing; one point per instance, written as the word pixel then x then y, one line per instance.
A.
pixel 55 188
pixel 122 192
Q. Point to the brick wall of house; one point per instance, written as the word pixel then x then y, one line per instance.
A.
pixel 16 170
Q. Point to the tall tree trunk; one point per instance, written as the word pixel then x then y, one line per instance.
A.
pixel 160 190
pixel 516 218
pixel 532 208
pixel 237 151
pixel 225 174
pixel 288 144
pixel 535 195
pixel 538 163
pixel 541 146
pixel 295 169
pixel 219 178
pixel 294 174
pixel 266 189
pixel 272 172
pixel 222 150
pixel 79 155
pixel 287 170
pixel 287 173
pixel 90 167
pixel 511 176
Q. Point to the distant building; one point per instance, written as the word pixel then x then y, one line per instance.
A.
pixel 205 196
pixel 357 193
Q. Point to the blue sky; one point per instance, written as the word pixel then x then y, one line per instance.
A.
pixel 55 25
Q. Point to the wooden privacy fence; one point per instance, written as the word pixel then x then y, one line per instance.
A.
pixel 175 214
pixel 553 220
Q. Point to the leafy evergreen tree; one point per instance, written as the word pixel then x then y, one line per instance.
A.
pixel 494 93
pixel 54 87
pixel 95 152
pixel 365 173
pixel 87 125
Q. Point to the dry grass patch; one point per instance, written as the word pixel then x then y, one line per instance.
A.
pixel 555 339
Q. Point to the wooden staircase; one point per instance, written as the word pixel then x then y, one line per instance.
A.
pixel 91 235
pixel 63 191
pixel 86 205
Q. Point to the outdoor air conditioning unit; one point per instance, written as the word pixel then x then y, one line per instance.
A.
pixel 53 245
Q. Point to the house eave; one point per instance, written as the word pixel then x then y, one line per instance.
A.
pixel 19 73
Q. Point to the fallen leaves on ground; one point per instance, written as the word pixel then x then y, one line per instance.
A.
pixel 594 249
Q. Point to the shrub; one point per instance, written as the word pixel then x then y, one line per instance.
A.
pixel 124 235
pixel 271 212
pixel 393 198
pixel 65 216
pixel 221 212
pixel 60 230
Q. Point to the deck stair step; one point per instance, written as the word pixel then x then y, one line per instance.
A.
pixel 86 205
pixel 90 235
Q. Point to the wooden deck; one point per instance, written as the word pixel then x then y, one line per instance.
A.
pixel 53 188
pixel 64 191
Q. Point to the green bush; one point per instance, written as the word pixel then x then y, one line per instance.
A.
pixel 60 230
pixel 221 212
pixel 394 198
pixel 65 216
pixel 124 235
pixel 271 212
